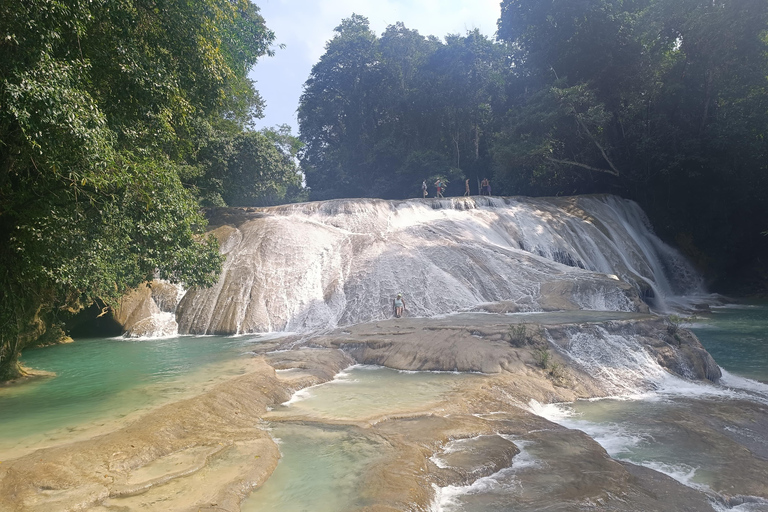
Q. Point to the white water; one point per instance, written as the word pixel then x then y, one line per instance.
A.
pixel 636 424
pixel 448 498
pixel 159 312
pixel 619 362
pixel 320 265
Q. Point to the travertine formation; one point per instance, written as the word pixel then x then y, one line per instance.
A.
pixel 208 452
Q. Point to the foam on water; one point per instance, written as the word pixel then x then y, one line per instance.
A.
pixel 448 498
pixel 632 428
pixel 618 440
pixel 751 504
pixel 756 390
pixel 343 377
pixel 620 362
pixel 681 472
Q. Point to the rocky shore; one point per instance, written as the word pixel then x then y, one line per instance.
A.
pixel 211 451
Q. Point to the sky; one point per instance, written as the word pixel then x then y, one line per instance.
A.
pixel 304 27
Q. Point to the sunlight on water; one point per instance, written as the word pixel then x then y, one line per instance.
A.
pixel 363 392
pixel 340 262
pixel 686 430
pixel 321 470
pixel 102 381
pixel 643 432
pixel 492 493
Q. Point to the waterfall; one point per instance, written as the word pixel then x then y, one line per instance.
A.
pixel 149 310
pixel 319 265
pixel 619 362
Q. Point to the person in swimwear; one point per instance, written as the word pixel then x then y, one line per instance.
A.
pixel 398 305
pixel 439 186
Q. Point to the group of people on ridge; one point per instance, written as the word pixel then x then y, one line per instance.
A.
pixel 398 304
pixel 485 188
pixel 439 187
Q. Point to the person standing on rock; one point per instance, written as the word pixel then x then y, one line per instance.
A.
pixel 485 187
pixel 424 189
pixel 398 305
pixel 466 186
pixel 439 187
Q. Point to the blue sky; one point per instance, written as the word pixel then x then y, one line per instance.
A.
pixel 304 26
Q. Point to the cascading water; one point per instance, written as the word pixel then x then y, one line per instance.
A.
pixel 150 311
pixel 319 265
pixel 620 362
pixel 648 259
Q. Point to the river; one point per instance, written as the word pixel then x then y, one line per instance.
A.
pixel 690 431
pixel 686 430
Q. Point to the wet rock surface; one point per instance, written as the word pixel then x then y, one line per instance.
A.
pixel 209 452
pixel 314 266
pixel 159 458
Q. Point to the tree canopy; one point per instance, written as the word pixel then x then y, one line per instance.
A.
pixel 120 119
pixel 101 104
pixel 380 114
pixel 663 101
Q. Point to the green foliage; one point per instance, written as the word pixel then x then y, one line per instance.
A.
pixel 522 335
pixel 98 102
pixel 663 101
pixel 518 335
pixel 282 137
pixel 558 373
pixel 233 168
pixel 542 357
pixel 676 322
pixel 381 114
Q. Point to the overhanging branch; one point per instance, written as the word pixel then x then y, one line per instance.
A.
pixel 613 172
pixel 602 151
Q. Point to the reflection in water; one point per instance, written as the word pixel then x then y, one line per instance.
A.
pixel 737 337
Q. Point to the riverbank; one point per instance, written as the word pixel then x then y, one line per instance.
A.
pixel 210 451
pixel 27 375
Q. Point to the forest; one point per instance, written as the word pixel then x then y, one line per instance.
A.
pixel 122 121
pixel 119 121
pixel 661 101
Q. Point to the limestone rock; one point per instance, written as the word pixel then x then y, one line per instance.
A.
pixel 149 310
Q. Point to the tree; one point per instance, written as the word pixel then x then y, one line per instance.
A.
pixel 334 118
pixel 379 115
pixel 231 167
pixel 467 76
pixel 662 101
pixel 97 102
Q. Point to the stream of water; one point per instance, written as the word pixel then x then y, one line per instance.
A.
pixel 322 465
